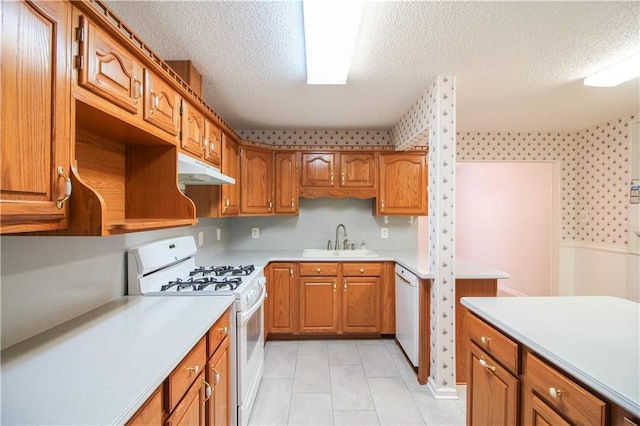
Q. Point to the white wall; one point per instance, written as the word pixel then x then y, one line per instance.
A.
pixel 316 224
pixel 504 218
pixel 49 280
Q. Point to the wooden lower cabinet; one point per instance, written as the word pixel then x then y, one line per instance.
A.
pixel 509 385
pixel 190 410
pixel 282 301
pixel 492 391
pixel 218 377
pixel 318 305
pixel 197 392
pixel 339 298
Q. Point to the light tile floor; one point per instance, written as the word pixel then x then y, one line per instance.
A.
pixel 346 382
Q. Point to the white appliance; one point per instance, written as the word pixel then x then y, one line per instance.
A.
pixel 195 172
pixel 168 268
pixel 407 312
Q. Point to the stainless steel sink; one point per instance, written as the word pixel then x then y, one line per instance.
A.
pixel 338 253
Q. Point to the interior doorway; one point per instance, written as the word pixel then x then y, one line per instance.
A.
pixel 507 218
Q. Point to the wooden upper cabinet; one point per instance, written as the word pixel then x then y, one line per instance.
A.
pixel 286 183
pixel 35 127
pixel 318 169
pixel 230 194
pixel 212 143
pixel 402 186
pixel 256 168
pixel 193 130
pixel 161 104
pixel 357 170
pixel 107 69
pixel 338 174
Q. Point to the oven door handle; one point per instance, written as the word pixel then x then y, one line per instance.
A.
pixel 244 317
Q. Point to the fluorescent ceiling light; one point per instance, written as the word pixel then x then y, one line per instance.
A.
pixel 330 32
pixel 616 73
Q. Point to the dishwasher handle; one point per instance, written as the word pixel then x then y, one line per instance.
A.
pixel 407 276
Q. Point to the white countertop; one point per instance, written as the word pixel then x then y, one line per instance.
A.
pixel 101 367
pixel 410 259
pixel 596 339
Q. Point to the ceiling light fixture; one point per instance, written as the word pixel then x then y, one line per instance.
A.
pixel 330 32
pixel 616 74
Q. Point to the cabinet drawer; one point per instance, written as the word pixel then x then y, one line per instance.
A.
pixel 361 269
pixel 184 374
pixel 562 394
pixel 500 347
pixel 318 269
pixel 218 332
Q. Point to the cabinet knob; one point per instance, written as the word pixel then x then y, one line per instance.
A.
pixel 68 188
pixel 216 375
pixel 334 286
pixel 207 390
pixel 291 271
pixel 137 89
pixel 555 393
pixel 362 270
pixel 382 205
pixel 486 365
pixel 195 369
pixel 345 285
pixel 318 270
pixel 485 340
pixel 293 206
pixel 155 102
pixel 224 330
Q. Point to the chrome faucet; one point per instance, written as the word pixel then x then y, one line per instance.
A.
pixel 337 244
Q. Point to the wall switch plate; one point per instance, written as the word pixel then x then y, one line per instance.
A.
pixel 384 232
pixel 218 234
pixel 255 232
pixel 200 238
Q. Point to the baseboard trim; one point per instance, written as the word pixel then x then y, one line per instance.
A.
pixel 441 393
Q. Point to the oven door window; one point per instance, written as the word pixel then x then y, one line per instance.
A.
pixel 254 334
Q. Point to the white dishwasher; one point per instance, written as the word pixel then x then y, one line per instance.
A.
pixel 407 304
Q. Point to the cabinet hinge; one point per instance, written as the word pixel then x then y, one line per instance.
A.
pixel 80 62
pixel 80 34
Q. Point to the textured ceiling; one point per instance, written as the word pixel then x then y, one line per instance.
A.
pixel 519 65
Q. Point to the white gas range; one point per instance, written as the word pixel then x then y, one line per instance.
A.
pixel 168 268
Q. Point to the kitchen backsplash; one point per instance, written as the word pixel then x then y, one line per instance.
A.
pixel 316 224
pixel 594 173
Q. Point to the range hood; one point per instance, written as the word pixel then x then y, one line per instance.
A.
pixel 194 172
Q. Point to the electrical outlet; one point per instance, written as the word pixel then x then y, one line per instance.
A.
pixel 384 232
pixel 255 232
pixel 218 234
pixel 200 238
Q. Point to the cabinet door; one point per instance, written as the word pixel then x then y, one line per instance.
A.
pixel 192 136
pixel 282 302
pixel 357 170
pixel 541 414
pixel 107 69
pixel 161 104
pixel 255 191
pixel 361 305
pixel 212 143
pixel 35 127
pixel 492 392
pixel 317 169
pixel 217 406
pixel 230 194
pixel 190 410
pixel 286 183
pixel 318 305
pixel 402 187
pixel 152 412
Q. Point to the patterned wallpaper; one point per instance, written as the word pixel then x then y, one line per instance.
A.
pixel 441 121
pixel 413 127
pixel 594 173
pixel 318 139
